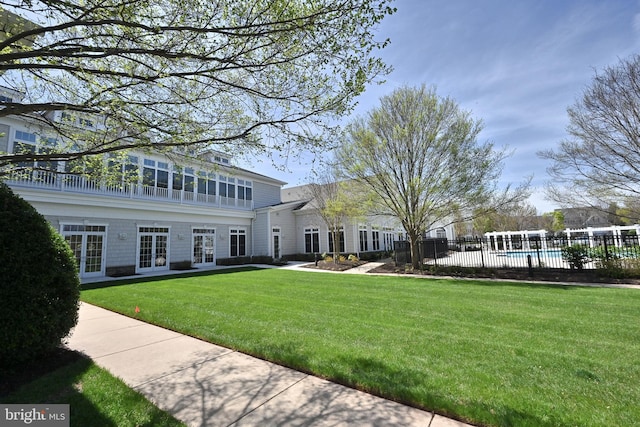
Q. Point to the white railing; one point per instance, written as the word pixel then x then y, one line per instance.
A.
pixel 79 184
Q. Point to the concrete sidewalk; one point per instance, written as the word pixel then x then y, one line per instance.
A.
pixel 207 385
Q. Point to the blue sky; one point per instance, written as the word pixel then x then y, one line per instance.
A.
pixel 517 65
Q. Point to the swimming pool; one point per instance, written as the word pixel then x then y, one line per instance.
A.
pixel 544 253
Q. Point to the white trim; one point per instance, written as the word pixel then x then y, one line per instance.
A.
pixel 215 244
pixel 82 262
pixel 154 258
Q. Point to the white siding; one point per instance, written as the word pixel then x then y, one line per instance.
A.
pixel 261 234
pixel 265 195
pixel 286 221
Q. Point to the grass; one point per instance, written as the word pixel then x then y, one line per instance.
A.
pixel 491 353
pixel 95 397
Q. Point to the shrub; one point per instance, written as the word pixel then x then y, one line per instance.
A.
pixel 39 289
pixel 577 256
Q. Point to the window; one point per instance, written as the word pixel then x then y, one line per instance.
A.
pixel 26 136
pixel 311 240
pixel 231 188
pixel 237 242
pixel 177 181
pixel 441 233
pixel 375 239
pixel 125 169
pixel 155 175
pixel 340 241
pixel 24 148
pixel 206 184
pixel 388 236
pixel 86 122
pixel 189 179
pixel 244 190
pixel 364 243
pixel 223 186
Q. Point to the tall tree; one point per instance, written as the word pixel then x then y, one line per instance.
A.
pixel 599 163
pixel 338 203
pixel 512 217
pixel 553 221
pixel 419 154
pixel 245 76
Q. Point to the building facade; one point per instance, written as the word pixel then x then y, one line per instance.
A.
pixel 155 211
pixel 159 211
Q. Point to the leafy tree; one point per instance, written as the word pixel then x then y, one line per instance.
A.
pixel 599 163
pixel 337 202
pixel 553 221
pixel 40 289
pixel 255 76
pixel 511 217
pixel 419 154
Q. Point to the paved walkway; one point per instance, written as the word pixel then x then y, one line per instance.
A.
pixel 203 384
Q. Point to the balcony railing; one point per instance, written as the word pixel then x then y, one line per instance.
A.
pixel 79 184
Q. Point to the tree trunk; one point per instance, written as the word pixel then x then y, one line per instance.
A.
pixel 416 258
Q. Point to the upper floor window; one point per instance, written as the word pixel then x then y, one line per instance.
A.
pixel 207 183
pixel 245 190
pixel 227 186
pixel 124 169
pixel 155 174
pixel 26 136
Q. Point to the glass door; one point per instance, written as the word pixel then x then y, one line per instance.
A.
pixel 153 249
pixel 276 243
pixel 87 243
pixel 204 246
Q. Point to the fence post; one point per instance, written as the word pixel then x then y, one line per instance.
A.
pixel 435 253
pixel 482 251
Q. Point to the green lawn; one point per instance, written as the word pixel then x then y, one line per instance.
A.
pixel 507 354
pixel 95 398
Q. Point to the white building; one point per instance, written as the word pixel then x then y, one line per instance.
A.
pixel 170 211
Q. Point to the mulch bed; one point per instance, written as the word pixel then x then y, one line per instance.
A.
pixel 335 266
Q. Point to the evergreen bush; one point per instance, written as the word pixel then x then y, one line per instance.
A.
pixel 39 285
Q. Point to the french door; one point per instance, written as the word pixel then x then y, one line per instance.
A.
pixel 204 247
pixel 88 245
pixel 153 249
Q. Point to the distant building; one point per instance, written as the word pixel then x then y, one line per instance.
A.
pixel 583 217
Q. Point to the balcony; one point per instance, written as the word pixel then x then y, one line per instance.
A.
pixel 52 181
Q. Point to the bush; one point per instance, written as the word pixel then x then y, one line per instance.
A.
pixel 39 290
pixel 577 256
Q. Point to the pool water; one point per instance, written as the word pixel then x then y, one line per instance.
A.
pixel 548 253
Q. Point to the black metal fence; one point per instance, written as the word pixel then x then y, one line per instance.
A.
pixel 429 249
pixel 588 252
